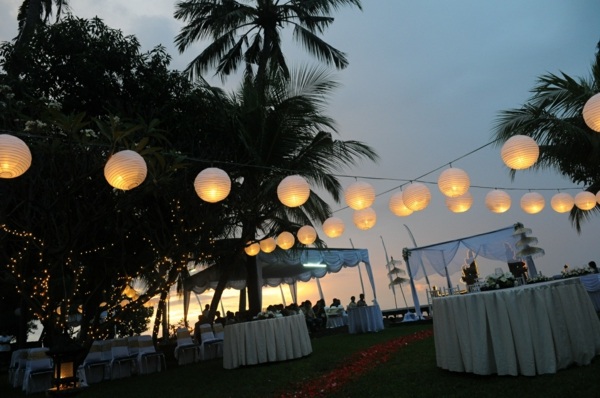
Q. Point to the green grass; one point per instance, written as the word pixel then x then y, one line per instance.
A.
pixel 411 372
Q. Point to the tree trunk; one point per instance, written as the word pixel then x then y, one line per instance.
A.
pixel 159 314
pixel 253 286
pixel 214 304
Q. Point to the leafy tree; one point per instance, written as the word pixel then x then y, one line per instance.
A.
pixel 553 117
pixel 249 32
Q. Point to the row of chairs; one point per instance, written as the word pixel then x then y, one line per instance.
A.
pixel 118 358
pixel 31 370
pixel 211 345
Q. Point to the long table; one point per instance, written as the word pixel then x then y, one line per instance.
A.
pixel 528 330
pixel 365 319
pixel 267 340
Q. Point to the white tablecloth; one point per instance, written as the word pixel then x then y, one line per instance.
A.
pixel 528 330
pixel 267 340
pixel 365 319
pixel 591 283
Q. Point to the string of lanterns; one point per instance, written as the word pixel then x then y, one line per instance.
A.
pixel 127 169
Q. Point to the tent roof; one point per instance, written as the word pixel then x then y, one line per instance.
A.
pixel 284 267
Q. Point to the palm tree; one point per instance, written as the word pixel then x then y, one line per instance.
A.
pixel 553 117
pixel 275 133
pixel 251 33
pixel 35 12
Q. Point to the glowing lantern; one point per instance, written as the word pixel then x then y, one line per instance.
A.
pixel 416 196
pixel 364 219
pixel 598 197
pixel 497 201
pixel 532 202
pixel 459 204
pixel 285 240
pixel 397 205
pixel 359 195
pixel 293 191
pixel 252 249
pixel 585 200
pixel 212 185
pixel 453 182
pixel 562 202
pixel 268 245
pixel 125 170
pixel 591 113
pixel 15 157
pixel 307 235
pixel 333 227
pixel 520 152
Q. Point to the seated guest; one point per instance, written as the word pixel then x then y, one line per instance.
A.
pixel 197 332
pixel 361 301
pixel 592 265
pixel 219 318
pixel 312 322
pixel 230 318
pixel 319 310
pixel 352 302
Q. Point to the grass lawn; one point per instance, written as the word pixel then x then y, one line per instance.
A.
pixel 410 372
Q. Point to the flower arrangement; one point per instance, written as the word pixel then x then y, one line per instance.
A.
pixel 499 281
pixel 470 273
pixel 575 272
pixel 539 278
pixel 265 315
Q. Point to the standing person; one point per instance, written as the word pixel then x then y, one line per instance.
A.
pixel 352 303
pixel 361 301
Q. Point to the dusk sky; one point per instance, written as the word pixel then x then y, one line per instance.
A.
pixel 426 83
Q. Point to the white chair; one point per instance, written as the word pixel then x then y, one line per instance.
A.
pixel 122 362
pixel 186 350
pixel 17 367
pixel 210 345
pixel 96 365
pixel 148 359
pixel 38 371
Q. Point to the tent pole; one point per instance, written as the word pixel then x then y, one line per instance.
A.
pixel 362 286
pixel 414 291
pixel 415 245
pixel 320 290
pixel 387 263
pixel 282 296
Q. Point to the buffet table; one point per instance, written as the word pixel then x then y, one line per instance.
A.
pixel 267 340
pixel 528 330
pixel 365 319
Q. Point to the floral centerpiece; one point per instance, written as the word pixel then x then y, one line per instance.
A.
pixel 499 281
pixel 575 272
pixel 539 278
pixel 470 273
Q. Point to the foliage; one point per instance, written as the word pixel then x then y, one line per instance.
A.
pixel 553 117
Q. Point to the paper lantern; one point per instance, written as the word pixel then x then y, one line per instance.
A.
pixel 125 170
pixel 212 185
pixel 453 182
pixel 520 152
pixel 532 202
pixel 252 249
pixel 416 196
pixel 591 113
pixel 333 227
pixel 307 235
pixel 268 245
pixel 15 157
pixel 562 202
pixel 598 197
pixel 585 200
pixel 285 240
pixel 359 195
pixel 364 219
pixel 459 204
pixel 293 191
pixel 497 201
pixel 397 205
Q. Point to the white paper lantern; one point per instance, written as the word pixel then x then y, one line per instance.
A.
pixel 252 249
pixel 307 235
pixel 212 185
pixel 334 227
pixel 364 219
pixel 497 201
pixel 416 196
pixel 585 200
pixel 459 204
pixel 454 182
pixel 562 202
pixel 397 205
pixel 285 240
pixel 293 191
pixel 520 152
pixel 359 195
pixel 532 202
pixel 125 170
pixel 15 157
pixel 591 113
pixel 598 197
pixel 268 245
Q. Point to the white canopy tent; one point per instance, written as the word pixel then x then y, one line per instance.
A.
pixel 447 258
pixel 288 267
